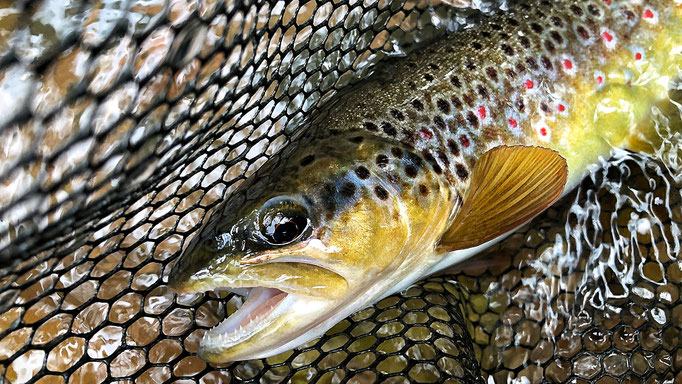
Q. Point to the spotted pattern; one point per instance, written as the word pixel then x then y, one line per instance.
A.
pixel 511 80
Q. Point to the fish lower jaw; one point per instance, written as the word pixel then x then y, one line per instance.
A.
pixel 256 313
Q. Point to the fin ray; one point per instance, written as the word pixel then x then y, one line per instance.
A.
pixel 509 186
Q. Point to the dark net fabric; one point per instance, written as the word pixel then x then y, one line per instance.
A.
pixel 114 109
pixel 123 123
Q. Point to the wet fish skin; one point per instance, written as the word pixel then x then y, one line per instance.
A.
pixel 381 173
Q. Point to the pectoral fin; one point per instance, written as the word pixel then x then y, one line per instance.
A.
pixel 509 186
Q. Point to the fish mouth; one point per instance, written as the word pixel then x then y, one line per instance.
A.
pixel 261 307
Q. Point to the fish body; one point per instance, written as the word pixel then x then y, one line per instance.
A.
pixel 434 158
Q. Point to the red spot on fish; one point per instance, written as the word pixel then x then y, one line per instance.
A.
pixel 600 80
pixel 568 64
pixel 543 131
pixel 561 108
pixel 481 112
pixel 464 141
pixel 529 84
pixel 638 56
pixel 608 2
pixel 607 36
pixel 648 14
pixel 512 123
pixel 426 133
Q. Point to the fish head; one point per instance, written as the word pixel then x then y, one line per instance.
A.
pixel 309 235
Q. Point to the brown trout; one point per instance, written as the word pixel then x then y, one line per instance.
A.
pixel 436 157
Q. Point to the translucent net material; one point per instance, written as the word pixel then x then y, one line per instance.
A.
pixel 123 123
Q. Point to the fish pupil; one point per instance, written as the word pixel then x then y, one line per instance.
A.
pixel 285 229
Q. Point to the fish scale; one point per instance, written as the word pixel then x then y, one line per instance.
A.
pixel 530 77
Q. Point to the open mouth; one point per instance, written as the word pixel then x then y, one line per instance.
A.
pixel 256 312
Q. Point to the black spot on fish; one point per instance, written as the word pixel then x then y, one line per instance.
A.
pixel 443 105
pixel 549 46
pixel 388 128
pixel 513 22
pixel 423 190
pixel 511 74
pixel 362 172
pixel 476 45
pixel 468 99
pixel 576 10
pixel 410 137
pixel 460 120
pixel 452 146
pixel 544 107
pixel 470 65
pixel 472 119
pixel 410 171
pixel 536 28
pixel 380 192
pixel 532 63
pixel 434 163
pixel 370 126
pixel 397 114
pixel 523 40
pixel 356 139
pixel 307 160
pixel 428 77
pixel 557 37
pixel 433 66
pixel 347 190
pixel 492 73
pixel 397 152
pixel 546 62
pixel 504 36
pixel 462 172
pixel 382 161
pixel 443 158
pixel 520 67
pixel 556 20
pixel 456 102
pixel 520 105
pixel 629 14
pixel 414 159
pixel 486 34
pixel 594 11
pixel 418 105
pixel 582 32
pixel 455 81
pixel 483 92
pixel 440 124
pixel 509 51
pixel 495 27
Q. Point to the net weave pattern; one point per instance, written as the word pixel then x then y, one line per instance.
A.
pixel 124 123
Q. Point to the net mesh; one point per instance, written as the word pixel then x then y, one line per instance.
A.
pixel 124 123
pixel 124 116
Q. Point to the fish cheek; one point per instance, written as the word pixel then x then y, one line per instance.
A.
pixel 370 237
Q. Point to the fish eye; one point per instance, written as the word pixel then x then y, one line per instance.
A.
pixel 283 221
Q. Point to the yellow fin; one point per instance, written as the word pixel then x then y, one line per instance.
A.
pixel 509 186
